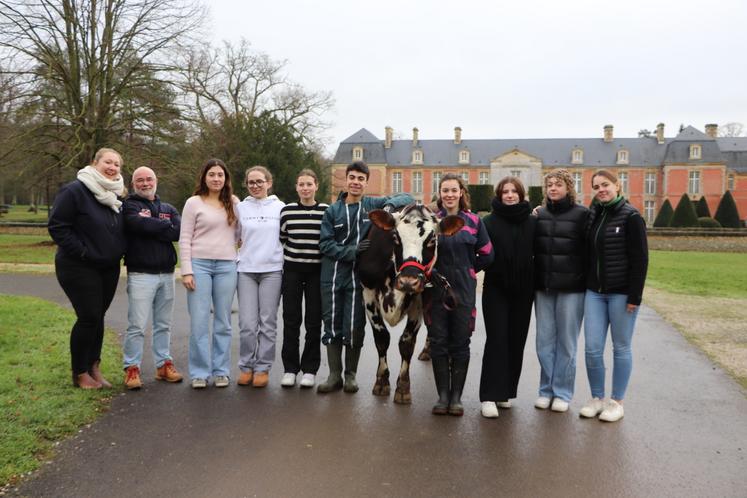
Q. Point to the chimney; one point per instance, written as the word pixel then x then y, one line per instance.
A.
pixel 457 135
pixel 414 137
pixel 711 130
pixel 660 133
pixel 388 137
pixel 608 137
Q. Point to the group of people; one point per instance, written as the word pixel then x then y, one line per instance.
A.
pixel 570 262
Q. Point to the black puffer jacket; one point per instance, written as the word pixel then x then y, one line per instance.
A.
pixel 559 247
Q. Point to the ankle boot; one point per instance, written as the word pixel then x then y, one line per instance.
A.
pixel 352 355
pixel 85 381
pixel 441 373
pixel 458 377
pixel 334 358
pixel 95 372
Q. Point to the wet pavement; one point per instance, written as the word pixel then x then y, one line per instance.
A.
pixel 684 433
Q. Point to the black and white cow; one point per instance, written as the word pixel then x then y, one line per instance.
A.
pixel 394 271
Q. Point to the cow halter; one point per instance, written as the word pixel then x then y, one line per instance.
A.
pixel 426 269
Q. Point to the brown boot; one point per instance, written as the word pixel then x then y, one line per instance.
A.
pixel 168 372
pixel 85 381
pixel 96 374
pixel 132 378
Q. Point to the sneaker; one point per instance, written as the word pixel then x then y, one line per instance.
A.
pixel 289 379
pixel 168 372
pixel 308 380
pixel 199 383
pixel 245 378
pixel 260 379
pixel 132 378
pixel 221 381
pixel 559 405
pixel 503 404
pixel 612 412
pixel 592 408
pixel 542 403
pixel 489 409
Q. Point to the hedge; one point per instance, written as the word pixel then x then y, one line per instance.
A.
pixel 727 213
pixel 684 214
pixel 701 208
pixel 708 222
pixel 535 196
pixel 665 215
pixel 480 197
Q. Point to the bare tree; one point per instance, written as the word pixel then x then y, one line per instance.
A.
pixel 732 129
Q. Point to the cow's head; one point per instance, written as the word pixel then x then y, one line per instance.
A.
pixel 415 231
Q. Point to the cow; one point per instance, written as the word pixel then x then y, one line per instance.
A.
pixel 394 271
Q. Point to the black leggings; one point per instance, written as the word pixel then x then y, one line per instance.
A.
pixel 297 288
pixel 90 290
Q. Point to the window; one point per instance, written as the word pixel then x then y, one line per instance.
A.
pixel 357 153
pixel 623 177
pixel 695 152
pixel 622 157
pixel 577 183
pixel 464 157
pixel 577 157
pixel 396 183
pixel 436 180
pixel 484 177
pixel 417 182
pixel 693 183
pixel 730 183
pixel 516 173
pixel 417 157
pixel 465 177
pixel 650 183
pixel 648 211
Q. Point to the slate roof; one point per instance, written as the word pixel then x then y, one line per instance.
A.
pixel 642 151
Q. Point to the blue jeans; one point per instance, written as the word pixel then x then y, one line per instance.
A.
pixel 215 285
pixel 608 311
pixel 148 294
pixel 559 316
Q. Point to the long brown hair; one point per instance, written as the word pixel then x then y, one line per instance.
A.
pixel 464 204
pixel 226 193
pixel 516 182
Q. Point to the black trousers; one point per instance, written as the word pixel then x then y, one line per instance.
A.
pixel 507 316
pixel 90 291
pixel 449 331
pixel 297 288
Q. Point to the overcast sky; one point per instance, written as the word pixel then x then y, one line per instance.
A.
pixel 520 69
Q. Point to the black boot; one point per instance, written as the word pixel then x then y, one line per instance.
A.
pixel 352 355
pixel 334 358
pixel 458 377
pixel 441 374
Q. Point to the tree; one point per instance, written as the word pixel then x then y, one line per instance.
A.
pixel 684 214
pixel 665 215
pixel 701 208
pixel 727 213
pixel 732 129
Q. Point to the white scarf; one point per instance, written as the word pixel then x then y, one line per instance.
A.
pixel 104 189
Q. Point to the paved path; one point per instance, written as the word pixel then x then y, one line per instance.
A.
pixel 685 433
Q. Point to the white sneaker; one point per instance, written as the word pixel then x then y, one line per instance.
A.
pixel 592 408
pixel 542 403
pixel 503 404
pixel 289 379
pixel 612 412
pixel 308 380
pixel 199 383
pixel 489 409
pixel 221 381
pixel 558 405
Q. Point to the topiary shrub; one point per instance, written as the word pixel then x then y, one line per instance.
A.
pixel 684 214
pixel 665 215
pixel 701 208
pixel 480 197
pixel 727 213
pixel 535 196
pixel 708 222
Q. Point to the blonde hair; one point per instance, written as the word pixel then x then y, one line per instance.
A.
pixel 261 169
pixel 104 150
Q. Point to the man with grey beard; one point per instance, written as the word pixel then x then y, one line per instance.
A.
pixel 151 228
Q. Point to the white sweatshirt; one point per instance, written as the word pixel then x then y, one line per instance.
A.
pixel 261 250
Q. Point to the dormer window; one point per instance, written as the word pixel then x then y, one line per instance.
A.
pixel 695 152
pixel 577 156
pixel 463 157
pixel 357 153
pixel 622 157
pixel 417 157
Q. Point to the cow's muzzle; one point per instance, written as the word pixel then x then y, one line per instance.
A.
pixel 410 284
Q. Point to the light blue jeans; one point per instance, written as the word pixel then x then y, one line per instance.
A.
pixel 558 316
pixel 259 299
pixel 603 312
pixel 148 294
pixel 215 285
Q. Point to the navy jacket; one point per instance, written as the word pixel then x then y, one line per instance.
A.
pixel 150 240
pixel 84 229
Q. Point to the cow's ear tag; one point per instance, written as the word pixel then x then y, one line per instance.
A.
pixel 451 225
pixel 381 219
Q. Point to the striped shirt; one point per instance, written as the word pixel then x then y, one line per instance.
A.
pixel 299 234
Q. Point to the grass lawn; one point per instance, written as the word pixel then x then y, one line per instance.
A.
pixel 38 404
pixel 699 273
pixel 21 212
pixel 26 249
